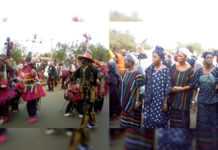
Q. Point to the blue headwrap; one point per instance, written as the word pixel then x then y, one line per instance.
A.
pixel 204 55
pixel 160 51
pixel 216 53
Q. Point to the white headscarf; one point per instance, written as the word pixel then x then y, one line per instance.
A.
pixel 185 51
pixel 132 58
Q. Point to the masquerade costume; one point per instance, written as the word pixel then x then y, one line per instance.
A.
pixel 32 89
pixel 86 76
pixel 6 92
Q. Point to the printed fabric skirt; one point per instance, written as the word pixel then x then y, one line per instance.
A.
pixel 207 139
pixel 139 139
pixel 207 116
pixel 179 118
pixel 174 139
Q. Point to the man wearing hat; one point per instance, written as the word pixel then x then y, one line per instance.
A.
pixel 86 76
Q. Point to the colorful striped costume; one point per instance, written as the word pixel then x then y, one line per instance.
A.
pixel 131 83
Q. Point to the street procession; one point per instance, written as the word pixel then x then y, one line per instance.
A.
pixel 101 75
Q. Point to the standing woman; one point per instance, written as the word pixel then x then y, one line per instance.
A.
pixel 131 106
pixel 205 80
pixel 157 88
pixel 114 83
pixel 181 92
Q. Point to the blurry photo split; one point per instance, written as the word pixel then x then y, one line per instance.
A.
pixel 163 139
pixel 52 139
pixel 100 75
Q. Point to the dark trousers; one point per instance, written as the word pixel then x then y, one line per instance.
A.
pixel 4 110
pixel 99 104
pixel 15 103
pixel 80 107
pixel 51 83
pixel 70 106
pixel 63 82
pixel 32 108
pixel 2 131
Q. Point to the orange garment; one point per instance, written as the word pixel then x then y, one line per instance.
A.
pixel 120 63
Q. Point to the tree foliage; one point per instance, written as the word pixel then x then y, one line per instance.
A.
pixel 193 46
pixel 119 40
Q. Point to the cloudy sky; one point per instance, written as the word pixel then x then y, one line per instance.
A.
pixel 169 21
pixel 52 21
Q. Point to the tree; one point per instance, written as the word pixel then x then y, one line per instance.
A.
pixel 99 52
pixel 119 40
pixel 17 55
pixel 192 46
pixel 118 16
pixel 59 55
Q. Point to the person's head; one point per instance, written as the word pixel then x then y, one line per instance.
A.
pixel 158 55
pixel 130 61
pixel 84 61
pixel 208 58
pixel 182 55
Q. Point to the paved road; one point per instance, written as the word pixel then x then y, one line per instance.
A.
pixel 51 114
pixel 35 139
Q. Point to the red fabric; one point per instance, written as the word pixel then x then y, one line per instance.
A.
pixel 74 93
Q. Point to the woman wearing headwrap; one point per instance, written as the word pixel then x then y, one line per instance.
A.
pixel 205 81
pixel 207 119
pixel 131 106
pixel 181 91
pixel 157 88
pixel 114 82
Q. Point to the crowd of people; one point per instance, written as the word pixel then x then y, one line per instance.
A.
pixel 163 94
pixel 83 80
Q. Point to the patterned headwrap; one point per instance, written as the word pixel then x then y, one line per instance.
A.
pixel 160 51
pixel 204 55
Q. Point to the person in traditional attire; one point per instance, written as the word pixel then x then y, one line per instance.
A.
pixel 131 102
pixel 114 83
pixel 65 72
pixel 73 96
pixel 52 74
pixel 6 92
pixel 174 139
pixel 32 89
pixel 157 88
pixel 86 76
pixel 205 81
pixel 181 91
pixel 102 86
pixel 139 139
pixel 3 135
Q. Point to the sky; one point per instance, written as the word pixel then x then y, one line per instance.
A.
pixel 52 21
pixel 165 22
